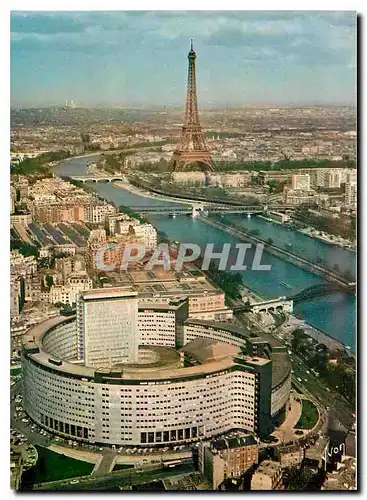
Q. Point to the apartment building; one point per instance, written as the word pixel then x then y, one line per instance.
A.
pixel 147 235
pixel 351 194
pixel 13 199
pixel 268 476
pixel 68 293
pixel 16 295
pixel 21 219
pixel 98 212
pixel 333 180
pixel 227 457
pixel 113 220
pixel 301 182
pixel 298 197
pixel 21 265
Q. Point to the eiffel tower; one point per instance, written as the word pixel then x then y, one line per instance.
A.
pixel 192 148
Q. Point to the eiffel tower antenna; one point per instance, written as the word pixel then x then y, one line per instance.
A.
pixel 192 148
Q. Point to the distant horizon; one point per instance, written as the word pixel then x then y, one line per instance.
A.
pixel 182 105
pixel 140 57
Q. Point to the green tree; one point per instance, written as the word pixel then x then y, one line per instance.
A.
pixel 275 186
pixel 126 210
pixel 49 281
pixel 299 340
pixel 230 283
pixel 297 478
pixel 24 248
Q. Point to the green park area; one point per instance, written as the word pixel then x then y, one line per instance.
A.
pixel 52 466
pixel 309 416
pixel 38 165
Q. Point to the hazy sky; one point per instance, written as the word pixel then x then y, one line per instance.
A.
pixel 141 57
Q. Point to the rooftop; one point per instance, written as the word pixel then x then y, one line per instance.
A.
pixel 98 293
pixel 281 366
pixel 33 345
pixel 205 350
pixel 233 442
pixel 342 479
pixel 150 283
pixel 172 305
pixel 269 468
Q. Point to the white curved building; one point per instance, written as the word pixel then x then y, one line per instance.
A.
pixel 221 379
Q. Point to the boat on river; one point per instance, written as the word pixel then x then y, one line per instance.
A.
pixel 286 285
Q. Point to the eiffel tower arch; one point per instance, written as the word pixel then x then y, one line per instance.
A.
pixel 191 148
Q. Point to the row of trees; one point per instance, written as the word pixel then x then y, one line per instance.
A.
pixel 340 375
pixel 25 249
pixel 230 283
pixel 283 164
pixel 341 226
pixel 127 210
pixel 276 187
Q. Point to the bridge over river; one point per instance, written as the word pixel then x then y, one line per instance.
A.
pixel 197 208
pixel 322 289
pixel 200 202
pixel 96 178
pixel 285 304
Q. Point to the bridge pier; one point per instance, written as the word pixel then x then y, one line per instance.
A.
pixel 274 306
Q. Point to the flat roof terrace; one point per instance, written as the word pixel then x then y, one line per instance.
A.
pixel 102 293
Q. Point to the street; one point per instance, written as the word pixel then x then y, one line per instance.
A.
pixel 339 409
pixel 122 478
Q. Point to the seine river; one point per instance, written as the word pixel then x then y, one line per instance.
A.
pixel 334 314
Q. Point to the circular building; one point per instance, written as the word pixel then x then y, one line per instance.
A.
pixel 217 380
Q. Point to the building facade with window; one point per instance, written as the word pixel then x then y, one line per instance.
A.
pixel 210 383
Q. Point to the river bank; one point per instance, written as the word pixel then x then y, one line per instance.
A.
pixel 278 252
pixel 328 238
pixel 318 335
pixel 310 232
pixel 294 322
pixel 145 193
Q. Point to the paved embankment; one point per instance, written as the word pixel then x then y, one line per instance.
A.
pixel 105 464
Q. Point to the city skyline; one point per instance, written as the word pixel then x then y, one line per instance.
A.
pixel 183 248
pixel 267 57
